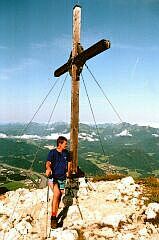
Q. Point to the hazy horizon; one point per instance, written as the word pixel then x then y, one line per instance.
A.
pixel 154 125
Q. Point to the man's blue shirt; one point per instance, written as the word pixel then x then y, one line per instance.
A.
pixel 59 163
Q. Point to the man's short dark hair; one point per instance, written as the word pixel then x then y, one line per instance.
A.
pixel 61 139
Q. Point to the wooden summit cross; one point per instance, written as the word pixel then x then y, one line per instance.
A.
pixel 74 65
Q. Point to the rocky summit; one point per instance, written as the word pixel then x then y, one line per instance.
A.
pixel 113 210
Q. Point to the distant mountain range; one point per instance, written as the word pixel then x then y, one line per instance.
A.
pixel 121 147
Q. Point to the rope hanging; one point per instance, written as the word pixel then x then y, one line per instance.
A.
pixel 49 121
pixel 43 101
pixel 16 204
pixel 114 109
pixel 93 114
pixel 38 109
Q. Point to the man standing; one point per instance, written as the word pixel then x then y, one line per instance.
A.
pixel 57 168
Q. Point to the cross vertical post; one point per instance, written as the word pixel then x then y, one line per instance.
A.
pixel 75 90
pixel 74 66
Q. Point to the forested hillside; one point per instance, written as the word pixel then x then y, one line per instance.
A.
pixel 124 147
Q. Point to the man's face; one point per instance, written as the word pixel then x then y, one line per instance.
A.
pixel 63 145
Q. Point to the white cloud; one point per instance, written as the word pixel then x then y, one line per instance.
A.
pixel 25 136
pixel 3 75
pixel 124 133
pixel 3 47
pixel 88 137
pixel 2 135
pixel 132 47
pixel 63 43
pixel 50 147
pixel 6 73
pixel 155 135
pixel 149 124
pixel 39 45
pixel 126 46
pixel 54 136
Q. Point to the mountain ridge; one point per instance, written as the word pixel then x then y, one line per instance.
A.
pixel 128 149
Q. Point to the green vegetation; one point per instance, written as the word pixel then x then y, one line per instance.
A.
pixel 11 186
pixel 21 154
pixel 108 177
pixel 151 188
pixel 137 155
pixel 134 174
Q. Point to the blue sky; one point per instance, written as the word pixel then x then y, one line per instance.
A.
pixel 36 38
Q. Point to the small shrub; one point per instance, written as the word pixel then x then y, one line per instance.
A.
pixel 80 234
pixel 150 188
pixel 108 177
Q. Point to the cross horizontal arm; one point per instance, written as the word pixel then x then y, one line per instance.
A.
pixel 63 69
pixel 91 52
pixel 81 58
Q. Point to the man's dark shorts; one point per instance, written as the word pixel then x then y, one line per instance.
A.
pixel 61 183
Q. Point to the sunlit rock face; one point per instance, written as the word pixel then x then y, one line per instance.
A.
pixel 103 210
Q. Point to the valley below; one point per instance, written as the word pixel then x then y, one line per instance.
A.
pixel 121 148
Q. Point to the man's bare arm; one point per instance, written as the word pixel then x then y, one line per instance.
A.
pixel 69 169
pixel 48 168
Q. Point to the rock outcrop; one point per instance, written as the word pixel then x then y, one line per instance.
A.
pixel 103 210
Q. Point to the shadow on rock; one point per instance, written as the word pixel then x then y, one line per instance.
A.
pixel 71 190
